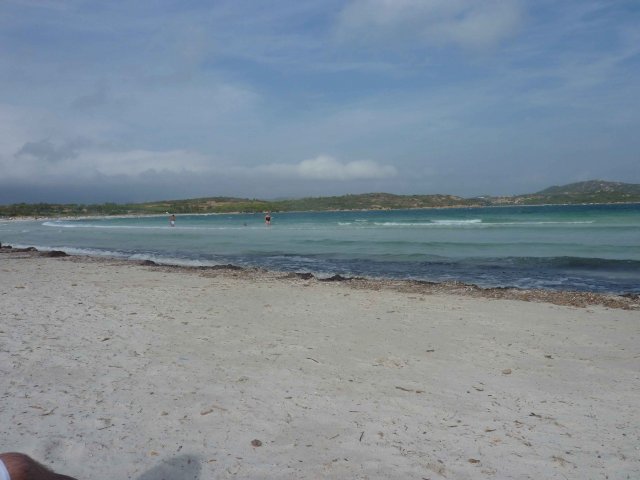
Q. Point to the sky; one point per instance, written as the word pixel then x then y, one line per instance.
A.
pixel 125 101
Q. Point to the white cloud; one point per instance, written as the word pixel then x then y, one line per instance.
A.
pixel 465 23
pixel 324 167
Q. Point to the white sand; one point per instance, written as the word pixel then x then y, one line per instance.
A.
pixel 115 371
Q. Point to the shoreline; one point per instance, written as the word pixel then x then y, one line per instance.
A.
pixel 625 301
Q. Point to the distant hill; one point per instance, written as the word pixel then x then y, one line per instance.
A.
pixel 371 201
pixel 593 191
pixel 593 187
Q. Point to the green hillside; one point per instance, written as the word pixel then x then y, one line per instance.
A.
pixel 593 187
pixel 594 191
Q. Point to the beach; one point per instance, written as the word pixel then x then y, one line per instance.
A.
pixel 112 369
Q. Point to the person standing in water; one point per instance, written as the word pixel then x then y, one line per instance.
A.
pixel 172 220
pixel 267 219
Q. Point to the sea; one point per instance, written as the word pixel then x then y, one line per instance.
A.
pixel 592 248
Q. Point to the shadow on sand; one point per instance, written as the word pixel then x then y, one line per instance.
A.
pixel 183 467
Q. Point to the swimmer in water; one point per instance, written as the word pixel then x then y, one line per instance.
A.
pixel 172 220
pixel 267 218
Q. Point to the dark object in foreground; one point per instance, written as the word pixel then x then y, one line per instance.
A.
pixel 228 266
pixel 23 467
pixel 304 275
pixel 54 253
pixel 335 278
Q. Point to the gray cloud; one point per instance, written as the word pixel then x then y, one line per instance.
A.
pixel 82 158
pixel 45 151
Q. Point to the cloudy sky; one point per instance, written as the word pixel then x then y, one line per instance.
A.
pixel 157 99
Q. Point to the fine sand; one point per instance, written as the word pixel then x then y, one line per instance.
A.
pixel 111 370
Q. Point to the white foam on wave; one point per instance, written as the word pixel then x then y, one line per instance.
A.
pixel 476 222
pixel 403 224
pixel 75 251
pixel 433 223
pixel 585 222
pixel 109 227
pixel 457 222
pixel 145 227
pixel 92 252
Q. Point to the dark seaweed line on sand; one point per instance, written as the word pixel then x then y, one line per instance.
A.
pixel 627 301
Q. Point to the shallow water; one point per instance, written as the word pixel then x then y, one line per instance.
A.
pixel 588 247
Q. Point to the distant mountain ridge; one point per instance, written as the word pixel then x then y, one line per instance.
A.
pixel 591 187
pixel 593 191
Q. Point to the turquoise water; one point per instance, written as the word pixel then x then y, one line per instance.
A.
pixel 588 248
